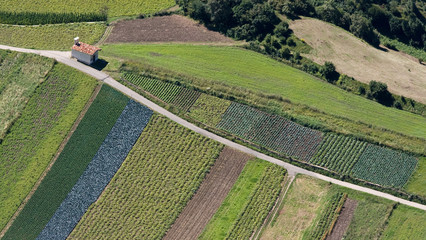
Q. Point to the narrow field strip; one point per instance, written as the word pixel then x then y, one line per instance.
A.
pixel 343 220
pixel 274 132
pixel 208 109
pixel 259 205
pixel 158 178
pixel 209 196
pixel 70 165
pixel 384 166
pixel 339 153
pixel 186 98
pixel 99 172
pixel 35 137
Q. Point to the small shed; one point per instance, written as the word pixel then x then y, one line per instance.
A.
pixel 84 53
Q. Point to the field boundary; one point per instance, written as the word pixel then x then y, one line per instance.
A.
pixel 105 36
pixel 274 211
pixel 58 152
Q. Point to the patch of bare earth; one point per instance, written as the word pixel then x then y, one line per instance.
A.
pixel 215 187
pixel 343 220
pixel 353 57
pixel 174 28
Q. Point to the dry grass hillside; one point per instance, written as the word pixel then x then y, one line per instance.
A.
pixel 403 74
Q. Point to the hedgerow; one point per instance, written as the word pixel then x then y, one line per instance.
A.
pixel 99 172
pixel 72 162
pixel 34 18
pixel 160 175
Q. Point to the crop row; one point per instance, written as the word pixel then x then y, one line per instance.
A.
pixel 160 175
pixel 37 134
pixel 339 153
pixel 260 204
pixel 168 92
pixel 271 131
pixel 71 163
pixel 99 172
pixel 33 18
pixel 328 217
pixel 208 109
pixel 384 166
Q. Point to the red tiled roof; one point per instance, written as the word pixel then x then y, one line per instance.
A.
pixel 85 48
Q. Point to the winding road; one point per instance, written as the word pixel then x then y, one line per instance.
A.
pixel 64 57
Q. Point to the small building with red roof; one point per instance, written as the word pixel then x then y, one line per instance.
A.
pixel 84 52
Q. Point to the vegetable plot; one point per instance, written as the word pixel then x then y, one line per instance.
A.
pixel 274 132
pixel 158 178
pixel 99 172
pixel 77 154
pixel 339 153
pixel 384 166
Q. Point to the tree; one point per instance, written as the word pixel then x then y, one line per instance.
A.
pixel 329 71
pixel 379 91
pixel 362 28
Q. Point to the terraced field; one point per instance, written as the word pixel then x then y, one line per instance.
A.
pixel 35 137
pixel 70 165
pixel 154 184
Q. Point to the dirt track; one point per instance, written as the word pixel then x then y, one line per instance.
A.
pixel 343 220
pixel 172 28
pixel 210 195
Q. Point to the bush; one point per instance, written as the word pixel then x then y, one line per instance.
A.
pixel 379 91
pixel 284 53
pixel 328 71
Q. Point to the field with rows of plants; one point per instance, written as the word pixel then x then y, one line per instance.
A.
pixel 260 203
pixel 99 172
pixel 186 98
pixel 328 217
pixel 208 109
pixel 159 176
pixel 71 163
pixel 338 153
pixel 384 166
pixel 36 135
pixel 52 36
pixel 114 8
pixel 20 74
pixel 274 132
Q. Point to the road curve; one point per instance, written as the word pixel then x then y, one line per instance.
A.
pixel 64 57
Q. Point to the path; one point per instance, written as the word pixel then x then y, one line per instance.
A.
pixel 64 58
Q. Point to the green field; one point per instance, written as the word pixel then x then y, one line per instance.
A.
pixel 229 212
pixel 208 109
pixel 159 176
pixel 35 137
pixel 73 160
pixel 20 74
pixel 417 182
pixel 50 37
pixel 406 223
pixel 114 7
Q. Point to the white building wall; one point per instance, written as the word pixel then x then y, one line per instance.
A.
pixel 82 57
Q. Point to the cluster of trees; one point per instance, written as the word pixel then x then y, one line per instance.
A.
pixel 366 18
pixel 33 18
pixel 240 19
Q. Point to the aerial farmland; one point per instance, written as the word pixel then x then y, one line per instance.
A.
pixel 196 119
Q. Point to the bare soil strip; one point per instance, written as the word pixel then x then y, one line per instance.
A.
pixel 210 195
pixel 343 220
pixel 172 28
pixel 61 147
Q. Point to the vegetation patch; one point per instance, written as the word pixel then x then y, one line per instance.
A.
pixel 209 109
pixel 20 74
pixel 209 196
pixel 114 8
pixel 33 18
pixel 186 98
pixel 339 153
pixel 223 220
pixel 384 166
pixel 417 182
pixel 72 162
pixel 271 131
pixel 99 172
pixel 35 137
pixel 159 176
pixel 405 223
pixel 260 203
pixel 50 37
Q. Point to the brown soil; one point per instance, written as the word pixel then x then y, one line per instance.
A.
pixel 343 220
pixel 172 28
pixel 353 57
pixel 210 195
